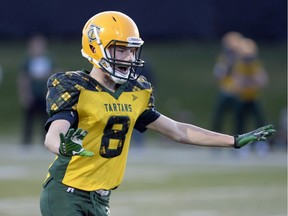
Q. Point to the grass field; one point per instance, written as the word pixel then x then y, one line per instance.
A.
pixel 162 180
pixel 187 181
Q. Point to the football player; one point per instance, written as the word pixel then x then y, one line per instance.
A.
pixel 92 115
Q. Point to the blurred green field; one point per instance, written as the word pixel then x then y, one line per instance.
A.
pixel 168 182
pixel 182 76
pixel 163 181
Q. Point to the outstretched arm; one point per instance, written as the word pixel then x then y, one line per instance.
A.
pixel 191 134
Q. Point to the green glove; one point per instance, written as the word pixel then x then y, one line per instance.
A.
pixel 71 143
pixel 259 134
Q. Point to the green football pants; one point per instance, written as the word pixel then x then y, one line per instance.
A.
pixel 60 200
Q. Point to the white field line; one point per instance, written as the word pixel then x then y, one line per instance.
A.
pixel 178 154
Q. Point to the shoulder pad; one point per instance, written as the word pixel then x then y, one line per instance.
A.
pixel 143 82
pixel 64 89
pixel 70 79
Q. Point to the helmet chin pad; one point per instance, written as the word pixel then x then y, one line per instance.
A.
pixel 118 80
pixel 119 77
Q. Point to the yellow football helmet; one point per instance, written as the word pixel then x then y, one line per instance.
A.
pixel 111 28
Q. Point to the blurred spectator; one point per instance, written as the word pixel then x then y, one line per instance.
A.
pixel 250 78
pixel 36 69
pixel 226 100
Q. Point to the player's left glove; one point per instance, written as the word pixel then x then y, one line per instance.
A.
pixel 259 134
pixel 71 143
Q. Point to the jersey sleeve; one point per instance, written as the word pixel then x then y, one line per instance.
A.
pixel 62 96
pixel 150 114
pixel 146 118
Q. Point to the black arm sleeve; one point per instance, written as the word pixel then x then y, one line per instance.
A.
pixel 146 118
pixel 70 116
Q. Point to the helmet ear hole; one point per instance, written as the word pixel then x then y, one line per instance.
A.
pixel 92 48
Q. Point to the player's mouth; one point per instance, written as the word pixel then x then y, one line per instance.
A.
pixel 123 69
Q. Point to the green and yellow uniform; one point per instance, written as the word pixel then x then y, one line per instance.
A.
pixel 248 72
pixel 109 119
pixel 224 75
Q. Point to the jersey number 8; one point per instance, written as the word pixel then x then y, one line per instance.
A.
pixel 116 129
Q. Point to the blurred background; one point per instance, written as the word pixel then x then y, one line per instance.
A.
pixel 184 48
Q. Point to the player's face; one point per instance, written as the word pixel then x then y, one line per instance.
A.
pixel 123 53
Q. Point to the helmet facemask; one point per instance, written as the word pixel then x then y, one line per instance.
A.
pixel 121 70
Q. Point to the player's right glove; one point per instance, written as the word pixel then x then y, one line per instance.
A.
pixel 259 134
pixel 71 143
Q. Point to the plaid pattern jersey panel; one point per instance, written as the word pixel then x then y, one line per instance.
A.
pixel 63 93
